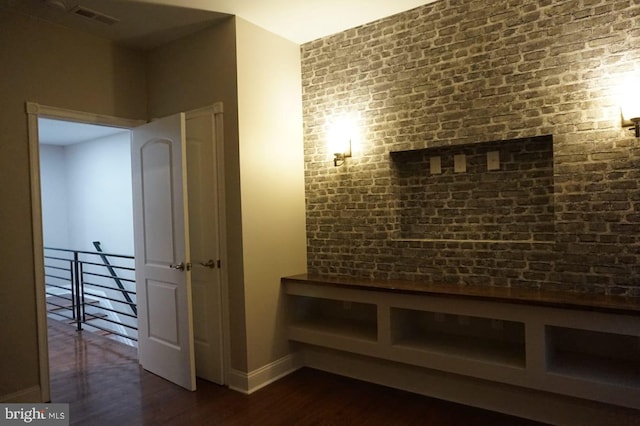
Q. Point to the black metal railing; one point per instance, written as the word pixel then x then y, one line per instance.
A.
pixel 93 290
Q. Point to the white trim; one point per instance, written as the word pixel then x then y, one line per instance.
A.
pixel 38 259
pixel 33 108
pixel 222 235
pixel 25 395
pixel 34 111
pixel 248 383
pixel 215 108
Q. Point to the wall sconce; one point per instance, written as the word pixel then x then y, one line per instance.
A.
pixel 631 115
pixel 630 105
pixel 339 157
pixel 341 135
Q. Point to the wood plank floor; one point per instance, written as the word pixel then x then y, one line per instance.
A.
pixel 104 385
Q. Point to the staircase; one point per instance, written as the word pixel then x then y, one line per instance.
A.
pixel 61 308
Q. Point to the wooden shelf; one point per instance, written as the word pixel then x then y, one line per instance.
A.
pixel 525 296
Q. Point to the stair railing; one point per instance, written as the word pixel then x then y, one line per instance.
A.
pixel 79 292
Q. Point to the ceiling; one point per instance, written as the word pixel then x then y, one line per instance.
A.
pixel 139 25
pixel 145 24
pixel 303 20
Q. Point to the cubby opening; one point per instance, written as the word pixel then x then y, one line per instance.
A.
pixel 593 355
pixel 345 318
pixel 477 338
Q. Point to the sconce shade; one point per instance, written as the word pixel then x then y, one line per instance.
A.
pixel 339 157
pixel 629 98
pixel 340 138
pixel 630 109
pixel 340 144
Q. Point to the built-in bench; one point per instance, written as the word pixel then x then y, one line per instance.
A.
pixel 558 357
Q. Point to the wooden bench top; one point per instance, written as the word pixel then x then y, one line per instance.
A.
pixel 551 298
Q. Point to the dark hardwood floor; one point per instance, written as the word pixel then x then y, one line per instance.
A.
pixel 104 385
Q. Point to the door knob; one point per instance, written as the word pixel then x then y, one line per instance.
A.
pixel 179 266
pixel 209 264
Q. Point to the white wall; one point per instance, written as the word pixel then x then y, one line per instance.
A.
pixel 99 185
pixel 55 223
pixel 86 195
pixel 272 183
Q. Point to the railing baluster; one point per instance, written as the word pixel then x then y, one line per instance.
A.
pixel 84 306
pixel 73 290
pixel 76 280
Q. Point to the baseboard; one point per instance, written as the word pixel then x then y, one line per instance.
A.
pixel 508 399
pixel 31 394
pixel 248 383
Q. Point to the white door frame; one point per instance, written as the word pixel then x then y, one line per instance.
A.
pixel 35 111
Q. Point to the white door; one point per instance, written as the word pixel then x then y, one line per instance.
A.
pixel 204 242
pixel 163 277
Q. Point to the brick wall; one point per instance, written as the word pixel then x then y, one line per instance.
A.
pixel 448 76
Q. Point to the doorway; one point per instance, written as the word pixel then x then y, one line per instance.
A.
pixel 88 227
pixel 37 112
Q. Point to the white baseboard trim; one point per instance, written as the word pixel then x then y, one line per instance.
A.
pixel 31 394
pixel 248 383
